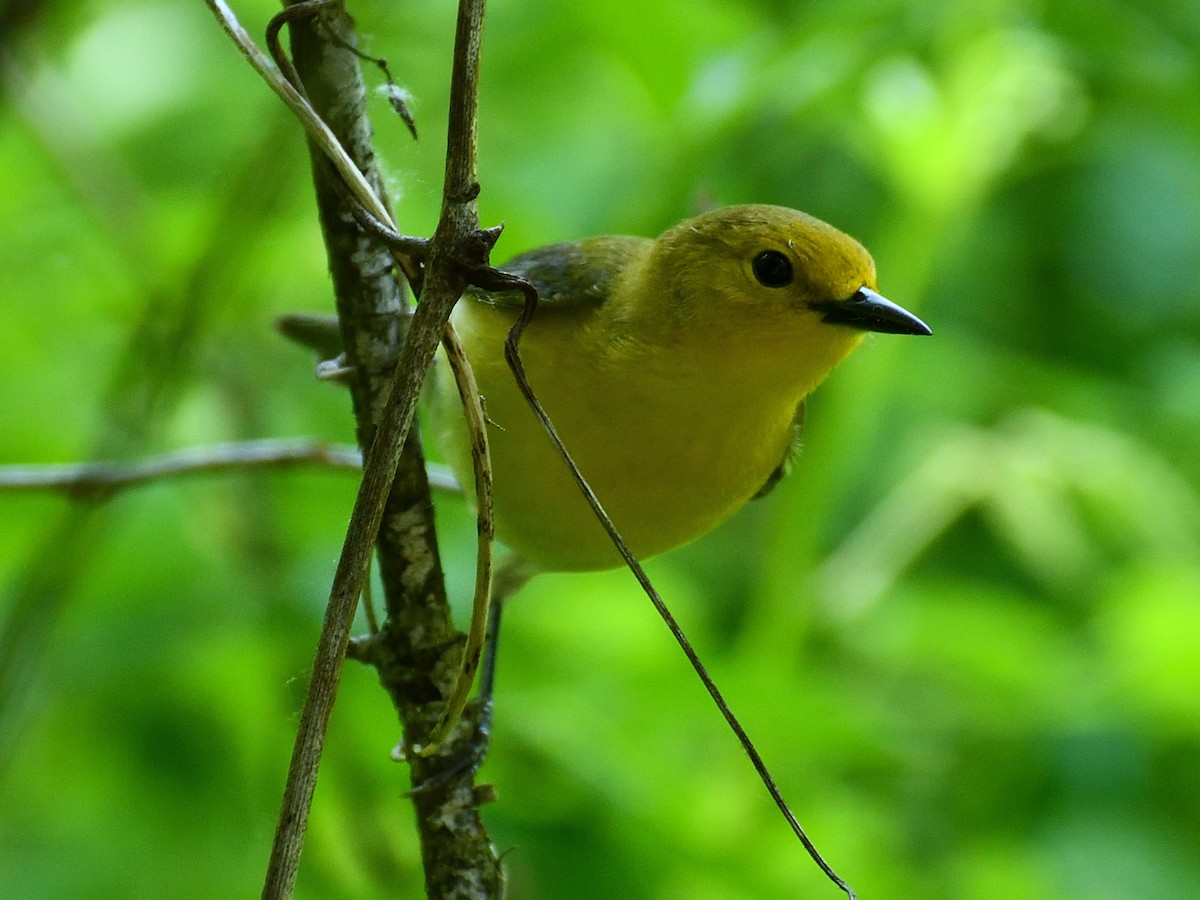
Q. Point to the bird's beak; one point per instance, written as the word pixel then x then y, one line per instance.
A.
pixel 869 311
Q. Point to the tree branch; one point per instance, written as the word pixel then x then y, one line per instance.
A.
pixel 418 650
pixel 97 480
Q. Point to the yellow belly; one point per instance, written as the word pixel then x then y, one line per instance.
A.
pixel 669 458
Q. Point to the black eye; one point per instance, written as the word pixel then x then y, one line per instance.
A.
pixel 772 269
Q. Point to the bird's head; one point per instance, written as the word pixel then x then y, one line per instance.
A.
pixel 775 265
pixel 778 295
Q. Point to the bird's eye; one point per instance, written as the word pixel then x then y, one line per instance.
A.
pixel 772 269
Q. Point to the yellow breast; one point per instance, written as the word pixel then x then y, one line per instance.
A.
pixel 670 451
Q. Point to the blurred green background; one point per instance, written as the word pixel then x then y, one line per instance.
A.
pixel 966 631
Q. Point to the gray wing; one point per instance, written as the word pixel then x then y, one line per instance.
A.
pixel 577 273
pixel 789 455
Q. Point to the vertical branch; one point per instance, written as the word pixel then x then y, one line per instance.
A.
pixel 461 183
pixel 417 650
pixel 458 857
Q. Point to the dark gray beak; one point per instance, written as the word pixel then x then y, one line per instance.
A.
pixel 869 311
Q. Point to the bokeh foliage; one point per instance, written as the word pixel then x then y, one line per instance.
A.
pixel 965 632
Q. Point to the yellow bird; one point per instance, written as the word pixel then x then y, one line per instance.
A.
pixel 674 369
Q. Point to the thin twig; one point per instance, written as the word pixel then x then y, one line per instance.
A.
pixel 95 480
pixel 513 356
pixel 396 96
pixel 468 390
pixel 407 251
pixel 300 107
pixel 99 479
